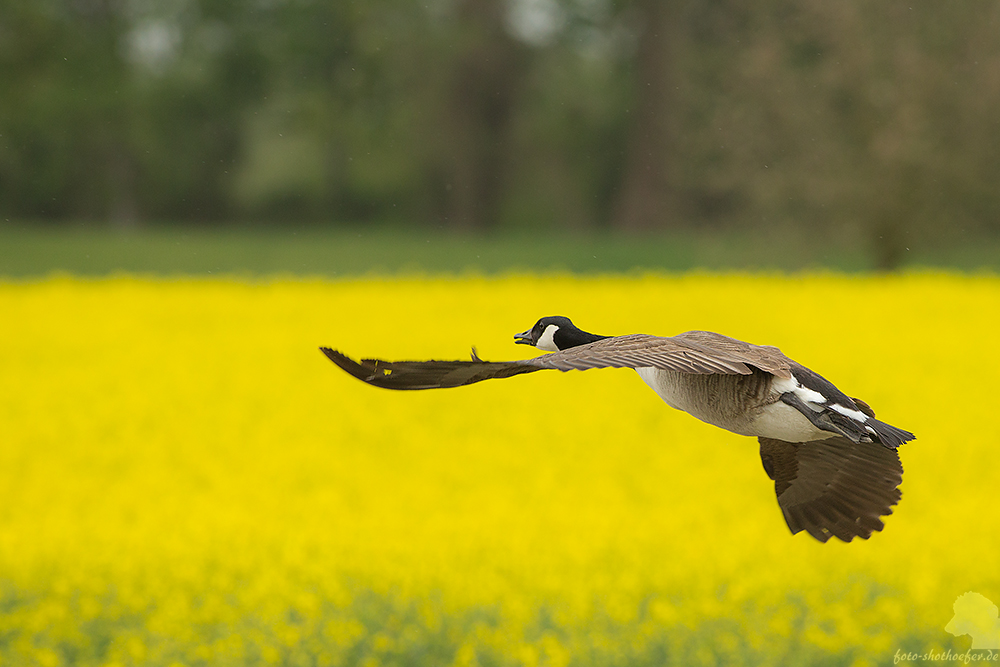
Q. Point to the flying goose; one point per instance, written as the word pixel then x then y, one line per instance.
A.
pixel 834 465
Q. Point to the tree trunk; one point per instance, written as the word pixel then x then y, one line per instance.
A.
pixel 481 97
pixel 897 205
pixel 123 207
pixel 645 199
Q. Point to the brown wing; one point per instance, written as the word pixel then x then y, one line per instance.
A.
pixel 833 487
pixel 425 374
pixel 697 352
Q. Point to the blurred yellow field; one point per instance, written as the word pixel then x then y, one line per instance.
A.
pixel 186 480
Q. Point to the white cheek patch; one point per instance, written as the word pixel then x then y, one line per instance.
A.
pixel 545 341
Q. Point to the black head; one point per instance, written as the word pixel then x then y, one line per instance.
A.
pixel 555 333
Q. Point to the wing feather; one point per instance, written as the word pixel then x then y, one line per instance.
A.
pixel 696 352
pixel 833 487
pixel 425 374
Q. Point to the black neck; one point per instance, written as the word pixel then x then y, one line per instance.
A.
pixel 567 337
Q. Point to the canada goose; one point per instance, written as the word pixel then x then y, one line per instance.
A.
pixel 834 466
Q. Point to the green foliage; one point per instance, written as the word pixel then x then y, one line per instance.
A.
pixel 31 252
pixel 870 121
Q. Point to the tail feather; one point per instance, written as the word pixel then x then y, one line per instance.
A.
pixel 890 436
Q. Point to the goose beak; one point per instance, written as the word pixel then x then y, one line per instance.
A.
pixel 523 338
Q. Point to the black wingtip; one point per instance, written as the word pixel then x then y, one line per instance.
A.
pixel 347 364
pixel 332 355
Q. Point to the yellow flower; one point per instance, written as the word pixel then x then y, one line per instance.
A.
pixel 185 479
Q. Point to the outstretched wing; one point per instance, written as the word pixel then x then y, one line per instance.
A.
pixel 833 487
pixel 425 374
pixel 696 352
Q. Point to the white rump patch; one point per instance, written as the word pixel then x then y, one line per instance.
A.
pixel 856 415
pixel 813 399
pixel 545 341
pixel 810 396
pixel 783 386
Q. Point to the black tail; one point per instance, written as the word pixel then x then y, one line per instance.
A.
pixel 425 374
pixel 888 435
pixel 853 429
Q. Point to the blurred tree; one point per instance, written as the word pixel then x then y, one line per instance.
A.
pixel 915 76
pixel 64 116
pixel 114 112
pixel 484 78
pixel 645 198
pixel 850 120
pixel 872 122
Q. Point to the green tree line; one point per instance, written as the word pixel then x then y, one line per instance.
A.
pixel 867 118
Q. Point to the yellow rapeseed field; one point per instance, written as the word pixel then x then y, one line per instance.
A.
pixel 186 480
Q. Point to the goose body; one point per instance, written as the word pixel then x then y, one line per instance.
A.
pixel 743 404
pixel 834 465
